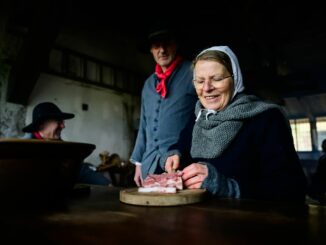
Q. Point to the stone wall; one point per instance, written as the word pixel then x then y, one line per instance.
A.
pixel 12 116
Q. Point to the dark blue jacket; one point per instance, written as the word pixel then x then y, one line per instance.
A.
pixel 263 161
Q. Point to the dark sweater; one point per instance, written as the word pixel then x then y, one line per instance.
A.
pixel 263 161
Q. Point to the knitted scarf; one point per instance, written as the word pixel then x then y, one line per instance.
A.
pixel 163 76
pixel 214 132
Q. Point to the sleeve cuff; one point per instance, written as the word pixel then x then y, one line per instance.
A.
pixel 219 185
pixel 135 162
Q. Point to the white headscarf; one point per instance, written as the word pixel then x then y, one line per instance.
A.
pixel 237 75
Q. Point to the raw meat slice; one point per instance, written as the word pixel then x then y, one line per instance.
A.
pixel 157 183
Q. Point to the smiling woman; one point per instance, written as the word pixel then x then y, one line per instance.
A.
pixel 242 147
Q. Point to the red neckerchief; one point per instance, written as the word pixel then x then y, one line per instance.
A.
pixel 163 76
pixel 37 135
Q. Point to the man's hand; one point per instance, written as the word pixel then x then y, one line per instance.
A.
pixel 172 163
pixel 138 178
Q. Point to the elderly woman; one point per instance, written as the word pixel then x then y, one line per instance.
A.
pixel 242 147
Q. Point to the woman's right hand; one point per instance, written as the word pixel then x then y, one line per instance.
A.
pixel 138 178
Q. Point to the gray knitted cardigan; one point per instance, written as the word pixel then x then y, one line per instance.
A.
pixel 214 132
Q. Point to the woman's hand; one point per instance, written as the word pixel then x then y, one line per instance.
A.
pixel 194 175
pixel 138 178
pixel 172 163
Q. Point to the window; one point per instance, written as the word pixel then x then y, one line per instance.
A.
pixel 55 61
pixel 321 130
pixel 301 134
pixel 108 76
pixel 74 65
pixel 92 71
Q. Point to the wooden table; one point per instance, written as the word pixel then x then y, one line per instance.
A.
pixel 100 218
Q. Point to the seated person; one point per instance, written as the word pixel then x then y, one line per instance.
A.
pixel 48 123
pixel 242 147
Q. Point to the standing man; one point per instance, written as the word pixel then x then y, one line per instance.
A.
pixel 167 108
pixel 47 124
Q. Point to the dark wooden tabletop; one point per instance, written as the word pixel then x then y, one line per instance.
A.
pixel 98 217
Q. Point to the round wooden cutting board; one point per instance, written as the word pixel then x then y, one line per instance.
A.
pixel 132 196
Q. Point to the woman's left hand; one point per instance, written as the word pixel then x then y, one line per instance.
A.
pixel 194 175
